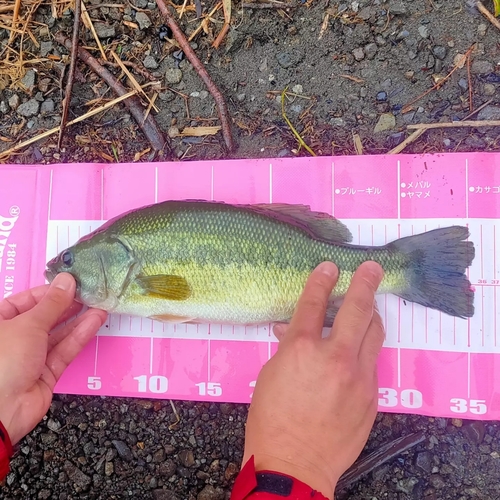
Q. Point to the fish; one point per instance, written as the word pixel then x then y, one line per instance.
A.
pixel 198 261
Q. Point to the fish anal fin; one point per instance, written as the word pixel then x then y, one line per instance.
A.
pixel 170 318
pixel 321 224
pixel 165 286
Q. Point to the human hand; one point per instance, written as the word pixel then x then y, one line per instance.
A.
pixel 31 361
pixel 315 400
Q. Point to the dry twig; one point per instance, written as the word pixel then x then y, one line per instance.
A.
pixel 150 128
pixel 380 456
pixel 436 85
pixel 202 72
pixel 138 69
pixel 411 138
pixel 292 128
pixel 5 154
pixel 477 110
pixel 468 123
pixel 88 23
pixel 486 13
pixel 71 73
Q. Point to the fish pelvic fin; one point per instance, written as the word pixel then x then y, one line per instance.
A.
pixel 436 275
pixel 164 286
pixel 170 318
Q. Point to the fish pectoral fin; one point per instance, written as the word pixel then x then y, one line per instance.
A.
pixel 170 318
pixel 321 224
pixel 165 286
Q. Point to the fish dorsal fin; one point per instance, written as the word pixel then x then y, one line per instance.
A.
pixel 321 224
pixel 165 286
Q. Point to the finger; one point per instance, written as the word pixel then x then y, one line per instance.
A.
pixel 63 331
pixel 279 330
pixel 21 302
pixel 309 315
pixel 355 314
pixel 373 342
pixel 54 304
pixel 63 353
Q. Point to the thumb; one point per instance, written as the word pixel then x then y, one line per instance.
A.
pixel 59 297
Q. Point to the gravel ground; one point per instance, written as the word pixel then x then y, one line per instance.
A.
pixel 374 58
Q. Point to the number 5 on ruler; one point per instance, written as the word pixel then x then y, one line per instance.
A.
pixel 94 383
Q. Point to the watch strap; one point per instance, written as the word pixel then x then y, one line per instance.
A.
pixel 270 485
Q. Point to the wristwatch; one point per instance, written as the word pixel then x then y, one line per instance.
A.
pixel 270 485
pixel 5 452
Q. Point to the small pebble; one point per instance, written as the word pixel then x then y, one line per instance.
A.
pixel 481 29
pixel 29 108
pixel 143 20
pixel 423 31
pixel 46 48
pixel 479 67
pixel 109 468
pixel 150 62
pixel 104 30
pixel 490 112
pixel 387 121
pixel 439 51
pixel 402 34
pixel 29 79
pixel 382 96
pixel 358 54
pixel 463 84
pixel 457 422
pixel 4 108
pixel 371 50
pixel 241 97
pixel 173 75
pixel 297 89
pixel 489 89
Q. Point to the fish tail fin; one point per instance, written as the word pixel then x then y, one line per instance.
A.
pixel 437 261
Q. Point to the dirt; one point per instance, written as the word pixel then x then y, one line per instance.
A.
pixel 365 73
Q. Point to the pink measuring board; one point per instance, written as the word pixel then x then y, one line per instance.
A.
pixel 431 363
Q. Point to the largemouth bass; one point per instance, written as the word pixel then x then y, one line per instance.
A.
pixel 210 262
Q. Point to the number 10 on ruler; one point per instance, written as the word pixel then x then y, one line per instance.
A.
pixel 158 384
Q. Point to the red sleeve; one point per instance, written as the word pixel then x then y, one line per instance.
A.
pixel 5 452
pixel 270 485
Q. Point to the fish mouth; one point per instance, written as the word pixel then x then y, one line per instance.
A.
pixel 50 274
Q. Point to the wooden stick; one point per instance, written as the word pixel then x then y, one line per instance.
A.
pixel 202 72
pixel 486 13
pixel 381 455
pixel 477 110
pixel 54 130
pixel 467 123
pixel 71 73
pixel 411 138
pixel 150 128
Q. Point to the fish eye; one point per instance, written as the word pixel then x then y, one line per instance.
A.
pixel 67 258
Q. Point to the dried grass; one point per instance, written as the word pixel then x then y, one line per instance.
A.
pixel 17 17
